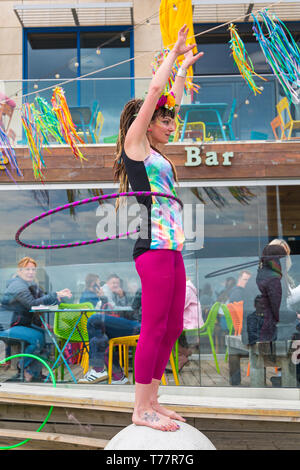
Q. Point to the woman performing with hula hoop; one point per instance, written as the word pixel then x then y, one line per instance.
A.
pixel 145 126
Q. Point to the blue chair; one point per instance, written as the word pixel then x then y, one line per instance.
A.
pixel 85 120
pixel 255 135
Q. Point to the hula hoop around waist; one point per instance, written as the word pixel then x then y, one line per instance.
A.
pixel 80 203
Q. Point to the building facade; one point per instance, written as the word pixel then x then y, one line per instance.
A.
pixel 239 183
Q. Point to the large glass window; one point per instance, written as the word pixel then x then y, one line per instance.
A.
pixel 216 44
pixel 227 229
pixel 54 56
pixel 111 94
pixel 221 82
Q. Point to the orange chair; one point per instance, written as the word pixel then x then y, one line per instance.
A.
pixel 236 312
pixel 275 124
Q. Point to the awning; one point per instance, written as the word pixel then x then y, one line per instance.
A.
pixel 121 13
pixel 74 14
pixel 221 11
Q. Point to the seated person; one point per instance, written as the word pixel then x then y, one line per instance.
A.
pixel 114 292
pixel 137 306
pixel 207 298
pixel 238 293
pixel 93 292
pixel 23 293
pixel 7 107
pixel 101 328
pixel 192 318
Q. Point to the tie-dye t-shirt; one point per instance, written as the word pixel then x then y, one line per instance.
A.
pixel 161 225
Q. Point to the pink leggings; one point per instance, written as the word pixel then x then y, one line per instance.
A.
pixel 163 281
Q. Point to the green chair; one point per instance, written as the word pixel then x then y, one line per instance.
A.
pixel 206 330
pixel 64 323
pixel 112 139
pixel 229 323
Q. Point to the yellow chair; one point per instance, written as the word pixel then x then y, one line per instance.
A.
pixel 191 127
pixel 287 121
pixel 124 343
pixel 98 127
pixel 84 358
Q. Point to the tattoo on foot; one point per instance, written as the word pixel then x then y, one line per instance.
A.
pixel 151 417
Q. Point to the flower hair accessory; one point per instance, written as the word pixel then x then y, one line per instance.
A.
pixel 167 100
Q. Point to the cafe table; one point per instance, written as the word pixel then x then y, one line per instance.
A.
pixel 203 113
pixel 46 311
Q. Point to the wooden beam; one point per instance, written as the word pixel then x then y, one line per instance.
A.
pixel 54 437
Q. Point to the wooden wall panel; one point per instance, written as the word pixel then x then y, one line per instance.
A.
pixel 251 160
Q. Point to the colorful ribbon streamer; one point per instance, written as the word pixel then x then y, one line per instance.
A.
pixel 67 126
pixel 34 137
pixel 48 122
pixel 8 155
pixel 242 59
pixel 281 52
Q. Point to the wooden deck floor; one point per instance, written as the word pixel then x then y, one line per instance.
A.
pixel 231 417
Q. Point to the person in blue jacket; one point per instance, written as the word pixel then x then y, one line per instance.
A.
pixel 21 294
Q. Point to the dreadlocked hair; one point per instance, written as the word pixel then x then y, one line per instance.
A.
pixel 127 117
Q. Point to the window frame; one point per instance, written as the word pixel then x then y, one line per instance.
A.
pixel 216 35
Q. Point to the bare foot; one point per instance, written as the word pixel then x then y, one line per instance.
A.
pixel 153 419
pixel 165 412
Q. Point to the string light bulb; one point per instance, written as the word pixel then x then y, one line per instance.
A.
pixel 35 86
pixel 247 101
pixel 123 38
pixel 57 75
pixel 98 51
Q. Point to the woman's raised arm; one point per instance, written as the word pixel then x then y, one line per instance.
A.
pixel 136 144
pixel 178 86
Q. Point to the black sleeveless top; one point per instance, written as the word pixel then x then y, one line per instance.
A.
pixel 161 218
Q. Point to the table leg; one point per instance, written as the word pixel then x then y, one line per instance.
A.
pixel 60 351
pixel 184 126
pixel 288 372
pixel 234 369
pixel 221 125
pixel 257 369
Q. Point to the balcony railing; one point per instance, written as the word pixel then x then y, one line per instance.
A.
pixel 224 109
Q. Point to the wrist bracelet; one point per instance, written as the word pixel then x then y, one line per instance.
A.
pixel 182 72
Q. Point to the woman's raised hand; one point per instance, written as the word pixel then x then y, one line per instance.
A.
pixel 190 59
pixel 181 47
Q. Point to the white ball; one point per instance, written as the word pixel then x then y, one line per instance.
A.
pixel 144 438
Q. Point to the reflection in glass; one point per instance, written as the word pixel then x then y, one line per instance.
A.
pixel 226 231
